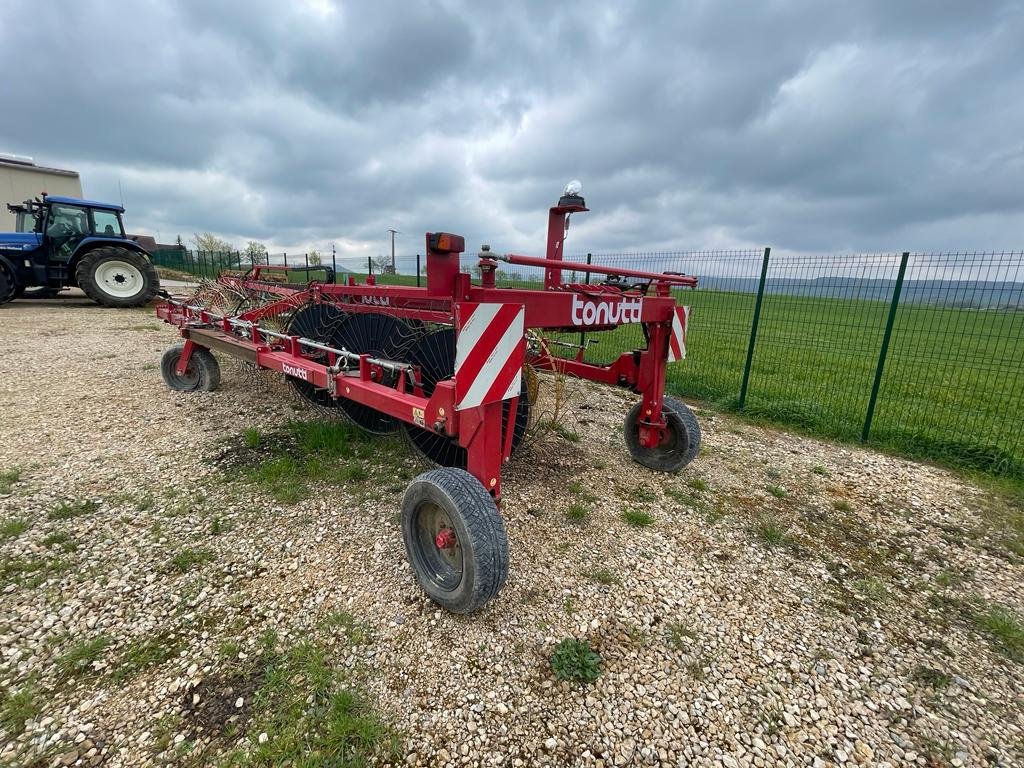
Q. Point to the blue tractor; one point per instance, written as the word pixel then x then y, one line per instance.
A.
pixel 63 241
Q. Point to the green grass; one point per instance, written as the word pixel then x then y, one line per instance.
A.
pixel 8 478
pixel 842 505
pixel 771 533
pixel 698 484
pixel 871 589
pixel 679 635
pixel 189 558
pixel 818 469
pixel 575 660
pixel 1005 629
pixel 312 716
pixel 145 653
pixel 17 707
pixel 60 539
pixel 637 518
pixel 815 360
pixel 68 510
pixel 355 631
pixel 604 576
pixel 79 658
pixel 933 678
pixel 777 491
pixel 12 528
pixel 309 452
pixel 252 437
pixel 30 571
pixel 577 513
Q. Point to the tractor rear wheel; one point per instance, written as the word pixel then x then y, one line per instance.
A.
pixel 117 277
pixel 201 375
pixel 679 444
pixel 455 539
pixel 8 286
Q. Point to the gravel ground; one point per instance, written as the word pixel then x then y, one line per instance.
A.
pixel 793 602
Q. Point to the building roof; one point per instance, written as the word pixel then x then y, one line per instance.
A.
pixel 25 166
pixel 90 203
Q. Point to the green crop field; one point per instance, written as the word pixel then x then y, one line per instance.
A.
pixel 951 391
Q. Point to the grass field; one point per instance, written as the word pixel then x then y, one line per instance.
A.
pixel 952 390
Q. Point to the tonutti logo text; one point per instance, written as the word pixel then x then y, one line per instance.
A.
pixel 606 311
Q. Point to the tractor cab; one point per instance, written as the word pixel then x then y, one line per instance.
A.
pixel 66 241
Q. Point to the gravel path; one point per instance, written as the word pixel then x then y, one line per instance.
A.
pixel 793 602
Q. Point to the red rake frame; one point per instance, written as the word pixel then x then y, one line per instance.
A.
pixel 489 355
pixel 452 528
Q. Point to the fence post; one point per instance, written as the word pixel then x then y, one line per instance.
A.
pixel 583 336
pixel 753 327
pixel 883 353
pixel 417 270
pixel 369 265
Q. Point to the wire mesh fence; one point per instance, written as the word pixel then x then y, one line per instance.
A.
pixel 919 353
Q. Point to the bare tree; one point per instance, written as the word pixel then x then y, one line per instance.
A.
pixel 207 241
pixel 255 253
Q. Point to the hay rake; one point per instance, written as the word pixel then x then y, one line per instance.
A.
pixel 445 364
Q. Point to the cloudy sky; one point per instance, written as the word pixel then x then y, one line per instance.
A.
pixel 807 126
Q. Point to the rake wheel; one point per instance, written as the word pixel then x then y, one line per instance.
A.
pixel 435 356
pixel 377 335
pixel 316 322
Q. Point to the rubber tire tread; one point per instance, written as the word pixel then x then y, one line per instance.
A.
pixel 85 276
pixel 470 502
pixel 678 415
pixel 8 285
pixel 209 368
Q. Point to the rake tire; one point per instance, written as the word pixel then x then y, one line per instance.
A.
pixel 202 374
pixel 471 513
pixel 682 445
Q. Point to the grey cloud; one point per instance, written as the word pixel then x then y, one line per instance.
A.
pixel 801 125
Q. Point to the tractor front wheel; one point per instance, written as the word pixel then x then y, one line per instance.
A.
pixel 202 374
pixel 455 539
pixel 117 277
pixel 679 443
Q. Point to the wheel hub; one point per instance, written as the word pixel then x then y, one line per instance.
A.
pixel 446 539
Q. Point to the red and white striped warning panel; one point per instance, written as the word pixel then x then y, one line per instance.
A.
pixel 489 353
pixel 677 341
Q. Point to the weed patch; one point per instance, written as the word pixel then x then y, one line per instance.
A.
pixel 304 713
pixel 286 463
pixel 771 533
pixel 10 529
pixel 189 558
pixel 577 513
pixel 79 658
pixel 1005 629
pixel 68 510
pixel 575 660
pixel 604 576
pixel 8 479
pixel 679 635
pixel 637 518
pixel 146 653
pixel 16 708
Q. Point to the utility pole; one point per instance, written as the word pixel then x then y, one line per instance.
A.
pixel 393 233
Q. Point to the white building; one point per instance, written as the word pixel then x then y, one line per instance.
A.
pixel 21 179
